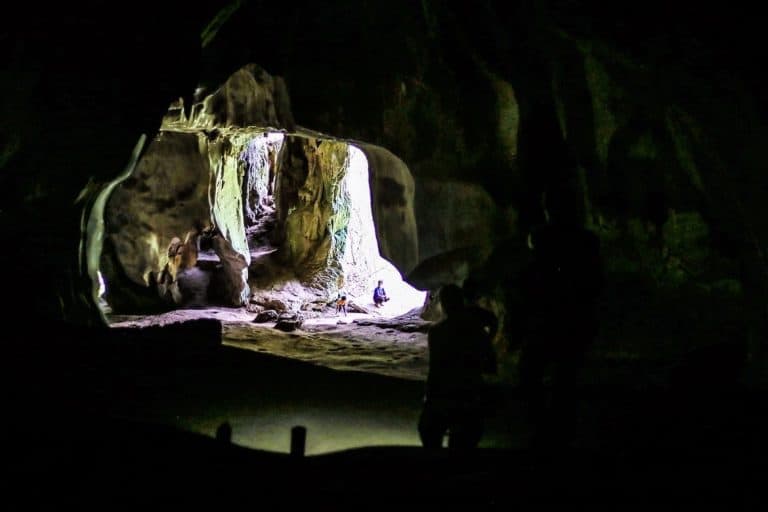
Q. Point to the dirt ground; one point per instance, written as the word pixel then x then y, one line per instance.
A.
pixel 366 342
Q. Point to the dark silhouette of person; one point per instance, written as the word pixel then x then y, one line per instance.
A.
pixel 560 288
pixel 460 352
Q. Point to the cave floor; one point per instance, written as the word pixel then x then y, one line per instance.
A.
pixel 365 342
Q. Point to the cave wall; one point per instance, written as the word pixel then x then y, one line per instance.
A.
pixel 186 180
pixel 317 212
pixel 653 125
pixel 261 158
pixel 84 82
pixel 216 172
pixel 193 175
pixel 166 197
pixel 392 200
pixel 249 97
pixel 658 125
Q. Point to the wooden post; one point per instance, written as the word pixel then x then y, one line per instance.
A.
pixel 298 441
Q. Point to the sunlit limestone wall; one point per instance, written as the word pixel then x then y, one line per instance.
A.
pixel 185 180
pixel 260 155
pixel 329 234
pixel 228 171
pixel 324 231
pixel 166 196
pixel 392 197
pixel 356 246
pixel 316 218
pixel 193 175
pixel 362 265
pixel 249 97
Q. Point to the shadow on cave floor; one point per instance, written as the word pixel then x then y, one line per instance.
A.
pixel 139 411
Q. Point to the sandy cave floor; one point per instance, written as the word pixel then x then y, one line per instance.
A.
pixel 365 342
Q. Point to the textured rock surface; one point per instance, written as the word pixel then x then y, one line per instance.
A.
pixel 183 182
pixel 288 322
pixel 318 212
pixel 260 158
pixel 392 196
pixel 165 198
pixel 233 280
pixel 269 315
pixel 459 224
pixel 197 173
pixel 249 97
pixel 324 233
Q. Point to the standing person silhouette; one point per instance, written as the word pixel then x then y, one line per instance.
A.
pixel 560 288
pixel 341 304
pixel 460 352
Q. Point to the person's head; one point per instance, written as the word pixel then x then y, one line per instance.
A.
pixel 451 299
pixel 472 289
pixel 380 283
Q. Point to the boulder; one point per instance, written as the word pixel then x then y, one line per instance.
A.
pixel 269 315
pixel 254 308
pixel 289 321
pixel 276 304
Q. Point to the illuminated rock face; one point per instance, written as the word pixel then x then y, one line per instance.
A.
pixel 209 171
pixel 315 212
pixel 392 199
pixel 192 176
pixel 325 215
pixel 165 198
pixel 249 97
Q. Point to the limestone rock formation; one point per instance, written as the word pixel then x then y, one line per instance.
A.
pixel 318 212
pixel 228 283
pixel 326 196
pixel 268 315
pixel 249 97
pixel 289 321
pixel 165 199
pixel 392 200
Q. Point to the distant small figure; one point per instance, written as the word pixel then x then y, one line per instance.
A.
pixel 380 295
pixel 460 352
pixel 341 304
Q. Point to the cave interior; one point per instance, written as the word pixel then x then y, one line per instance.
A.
pixel 243 156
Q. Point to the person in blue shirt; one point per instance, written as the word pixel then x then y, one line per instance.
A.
pixel 380 295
